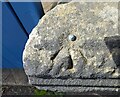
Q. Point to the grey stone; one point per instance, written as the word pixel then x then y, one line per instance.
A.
pixel 48 5
pixel 95 54
pixel 14 77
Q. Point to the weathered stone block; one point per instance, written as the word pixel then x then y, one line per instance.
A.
pixel 75 47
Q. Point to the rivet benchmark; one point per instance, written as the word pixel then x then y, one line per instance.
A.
pixel 72 37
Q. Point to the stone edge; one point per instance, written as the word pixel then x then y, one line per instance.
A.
pixel 76 85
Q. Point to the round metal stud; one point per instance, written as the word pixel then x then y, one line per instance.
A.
pixel 72 37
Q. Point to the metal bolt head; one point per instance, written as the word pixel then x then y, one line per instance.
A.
pixel 72 37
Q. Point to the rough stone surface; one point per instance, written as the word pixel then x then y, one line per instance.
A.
pixel 47 6
pixel 94 54
pixel 14 77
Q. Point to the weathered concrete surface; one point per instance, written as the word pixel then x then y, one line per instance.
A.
pixel 14 77
pixel 94 54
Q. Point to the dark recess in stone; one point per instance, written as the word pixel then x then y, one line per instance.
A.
pixel 70 63
pixel 119 18
pixel 113 44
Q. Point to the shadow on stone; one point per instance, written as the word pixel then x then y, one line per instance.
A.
pixel 113 44
pixel 119 17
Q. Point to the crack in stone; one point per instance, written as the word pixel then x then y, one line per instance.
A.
pixel 83 57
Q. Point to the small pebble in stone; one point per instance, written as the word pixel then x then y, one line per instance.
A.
pixel 72 37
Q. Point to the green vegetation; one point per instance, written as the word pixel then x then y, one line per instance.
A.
pixel 41 93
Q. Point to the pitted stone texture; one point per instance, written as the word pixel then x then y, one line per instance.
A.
pixel 94 54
